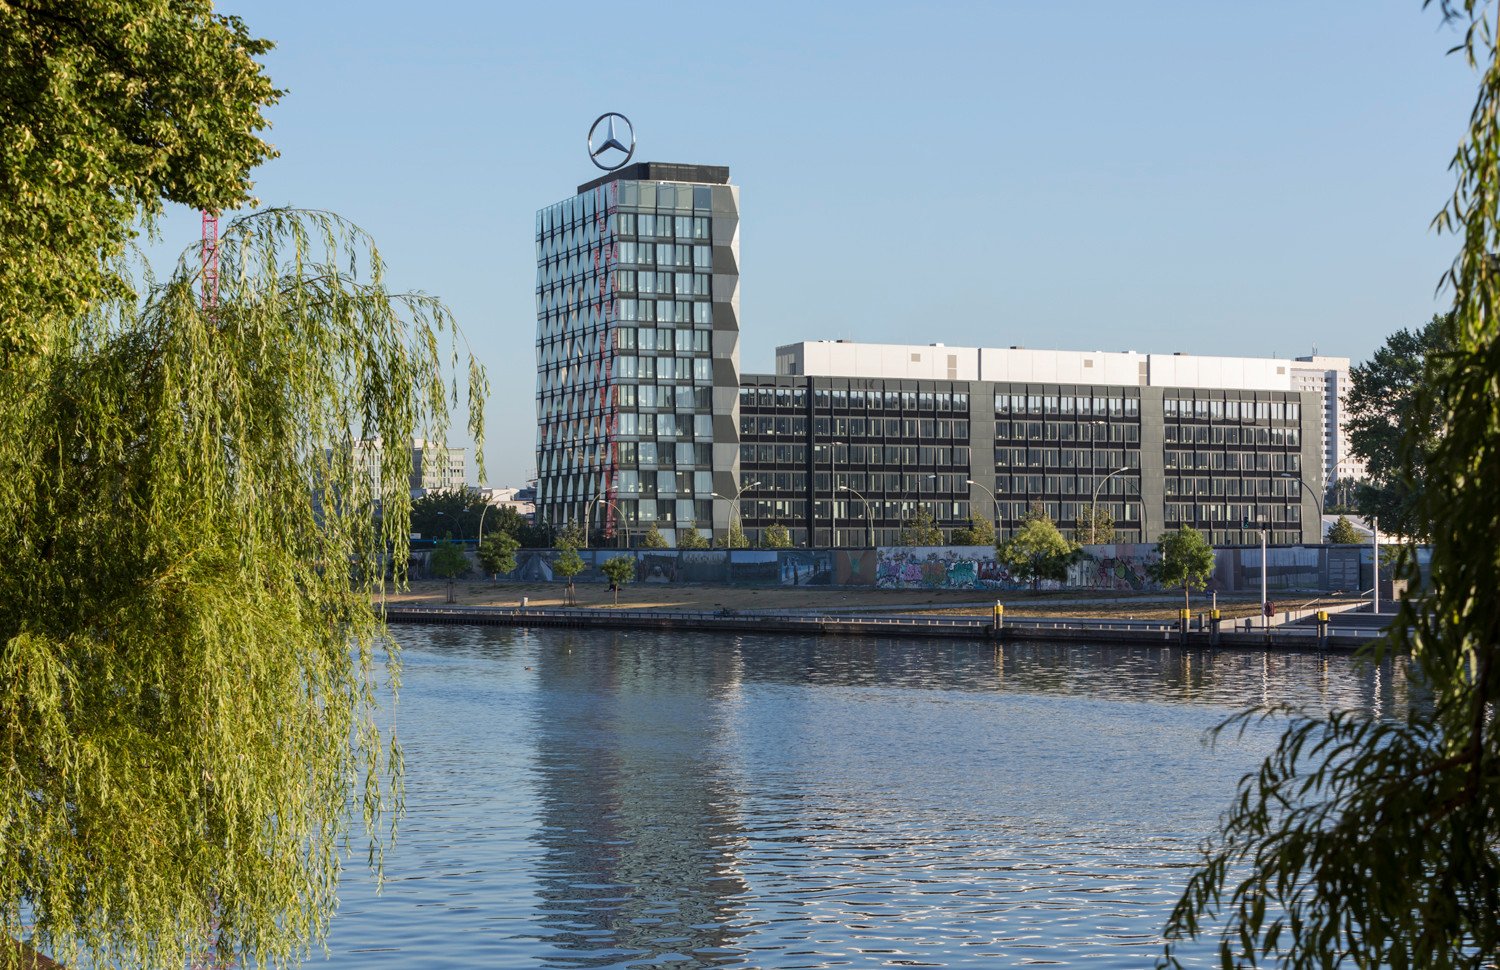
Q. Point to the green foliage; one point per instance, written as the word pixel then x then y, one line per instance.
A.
pixel 1185 559
pixel 734 538
pixel 688 537
pixel 573 535
pixel 497 553
pixel 619 571
pixel 653 539
pixel 451 514
pixel 536 535
pixel 1038 551
pixel 504 518
pixel 107 109
pixel 187 642
pixel 569 564
pixel 1344 533
pixel 920 530
pixel 979 532
pixel 776 536
pixel 1094 526
pixel 1376 843
pixel 447 560
pixel 1385 405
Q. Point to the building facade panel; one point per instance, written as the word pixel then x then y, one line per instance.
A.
pixel 637 323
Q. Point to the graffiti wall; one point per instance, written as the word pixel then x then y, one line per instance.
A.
pixel 1114 566
pixel 937 567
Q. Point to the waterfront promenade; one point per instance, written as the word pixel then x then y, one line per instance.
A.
pixel 1143 619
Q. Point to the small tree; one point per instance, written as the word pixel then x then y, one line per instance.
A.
pixel 1038 551
pixel 1187 560
pixel 688 537
pixel 653 539
pixel 1094 524
pixel 920 530
pixel 497 553
pixel 448 562
pixel 776 536
pixel 573 534
pixel 620 570
pixel 569 565
pixel 979 532
pixel 1344 533
pixel 735 538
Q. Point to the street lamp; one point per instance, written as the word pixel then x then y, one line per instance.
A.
pixel 1094 505
pixel 735 503
pixel 588 513
pixel 869 522
pixel 1316 499
pixel 995 501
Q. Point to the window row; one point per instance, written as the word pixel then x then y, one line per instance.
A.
pixel 655 396
pixel 1065 431
pixel 647 283
pixel 667 425
pixel 659 226
pixel 1222 485
pixel 1233 514
pixel 774 397
pixel 1128 407
pixel 633 483
pixel 842 453
pixel 1218 434
pixel 1106 458
pixel 665 368
pixel 1233 461
pixel 661 338
pixel 682 511
pixel 1065 485
pixel 1232 410
pixel 840 399
pixel 646 454
pixel 763 424
pixel 628 254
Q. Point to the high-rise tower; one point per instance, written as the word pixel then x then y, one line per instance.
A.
pixel 638 351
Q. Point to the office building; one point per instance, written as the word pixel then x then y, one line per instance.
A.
pixel 637 349
pixel 1328 377
pixel 643 416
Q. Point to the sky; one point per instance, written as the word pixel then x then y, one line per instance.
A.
pixel 1249 179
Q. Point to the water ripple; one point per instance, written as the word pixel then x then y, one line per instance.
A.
pixel 587 800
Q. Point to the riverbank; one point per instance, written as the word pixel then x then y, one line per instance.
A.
pixel 823 600
pixel 1288 634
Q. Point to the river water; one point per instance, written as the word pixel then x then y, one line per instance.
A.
pixel 587 799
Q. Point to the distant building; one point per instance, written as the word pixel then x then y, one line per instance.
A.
pixel 434 467
pixel 1328 377
pixel 523 500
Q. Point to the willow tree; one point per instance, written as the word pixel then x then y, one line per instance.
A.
pixel 1376 843
pixel 188 650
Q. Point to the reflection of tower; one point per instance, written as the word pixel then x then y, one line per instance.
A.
pixel 638 823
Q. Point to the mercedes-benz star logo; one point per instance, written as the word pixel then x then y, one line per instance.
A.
pixel 611 141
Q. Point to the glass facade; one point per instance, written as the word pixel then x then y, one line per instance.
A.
pixel 637 298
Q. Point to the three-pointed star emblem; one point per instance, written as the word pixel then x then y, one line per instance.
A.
pixel 611 141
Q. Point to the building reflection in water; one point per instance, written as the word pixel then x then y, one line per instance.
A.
pixel 638 819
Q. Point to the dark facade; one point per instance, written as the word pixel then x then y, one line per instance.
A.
pixel 845 461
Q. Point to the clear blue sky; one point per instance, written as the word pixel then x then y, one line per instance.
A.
pixel 1217 178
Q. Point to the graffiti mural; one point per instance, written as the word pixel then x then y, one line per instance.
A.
pixel 937 567
pixel 753 567
pixel 854 567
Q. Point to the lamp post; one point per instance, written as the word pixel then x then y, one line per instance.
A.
pixel 1094 505
pixel 993 500
pixel 734 507
pixel 869 522
pixel 588 513
pixel 1316 500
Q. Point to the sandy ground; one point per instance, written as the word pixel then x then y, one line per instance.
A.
pixel 706 597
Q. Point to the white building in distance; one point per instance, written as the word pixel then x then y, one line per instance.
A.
pixel 1329 378
pixel 434 466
